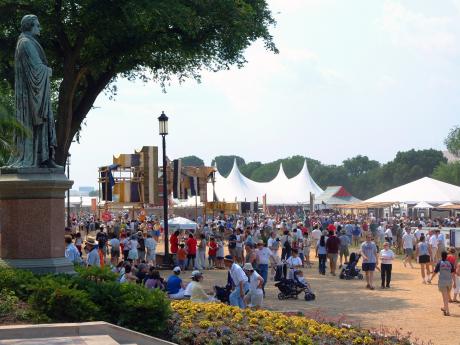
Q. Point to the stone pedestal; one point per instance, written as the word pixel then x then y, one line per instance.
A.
pixel 32 219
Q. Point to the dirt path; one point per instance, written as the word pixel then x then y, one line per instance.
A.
pixel 409 306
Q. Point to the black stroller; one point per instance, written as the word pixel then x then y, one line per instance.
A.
pixel 222 293
pixel 350 271
pixel 291 288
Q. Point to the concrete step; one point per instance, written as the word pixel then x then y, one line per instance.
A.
pixel 83 340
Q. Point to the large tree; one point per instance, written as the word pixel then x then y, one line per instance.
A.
pixel 453 141
pixel 90 43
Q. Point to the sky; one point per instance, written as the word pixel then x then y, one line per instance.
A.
pixel 352 77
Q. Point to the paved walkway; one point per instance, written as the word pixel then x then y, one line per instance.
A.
pixel 409 306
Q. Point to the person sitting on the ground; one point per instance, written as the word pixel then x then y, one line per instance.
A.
pixel 195 289
pixel 154 280
pixel 174 285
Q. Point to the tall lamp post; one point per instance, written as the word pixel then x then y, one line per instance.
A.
pixel 68 193
pixel 163 122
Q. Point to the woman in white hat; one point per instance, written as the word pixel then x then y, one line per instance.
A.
pixel 195 289
pixel 255 295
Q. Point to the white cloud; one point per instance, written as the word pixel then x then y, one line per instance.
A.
pixel 415 30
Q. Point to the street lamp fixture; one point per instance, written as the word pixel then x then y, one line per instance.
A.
pixel 163 122
pixel 163 129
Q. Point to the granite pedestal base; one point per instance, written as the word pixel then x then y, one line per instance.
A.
pixel 32 219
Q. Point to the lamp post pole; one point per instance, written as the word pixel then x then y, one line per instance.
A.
pixel 165 202
pixel 163 122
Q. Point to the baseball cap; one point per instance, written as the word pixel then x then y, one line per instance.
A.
pixel 176 269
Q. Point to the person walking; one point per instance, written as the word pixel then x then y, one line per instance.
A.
pixel 150 250
pixel 356 234
pixel 446 280
pixel 370 260
pixel 344 244
pixel 332 248
pixel 263 260
pixel 408 240
pixel 201 257
pixel 306 249
pixel 423 253
pixel 321 254
pixel 386 265
pixel 191 252
pixel 286 243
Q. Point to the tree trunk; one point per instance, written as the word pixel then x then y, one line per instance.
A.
pixel 71 113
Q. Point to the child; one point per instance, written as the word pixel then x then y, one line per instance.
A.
pixel 212 252
pixel 220 253
pixel 78 242
pixel 181 256
pixel 300 278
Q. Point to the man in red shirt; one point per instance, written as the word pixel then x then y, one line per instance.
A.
pixel 174 245
pixel 332 248
pixel 191 251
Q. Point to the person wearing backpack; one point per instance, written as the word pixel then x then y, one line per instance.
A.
pixel 286 241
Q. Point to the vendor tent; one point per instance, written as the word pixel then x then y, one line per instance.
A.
pixel 425 189
pixel 180 223
pixel 279 191
pixel 423 205
pixel 336 195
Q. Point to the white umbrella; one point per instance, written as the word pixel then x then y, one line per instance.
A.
pixel 423 205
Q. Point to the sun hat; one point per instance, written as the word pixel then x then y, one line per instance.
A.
pixel 196 273
pixel 92 241
pixel 177 269
pixel 248 267
pixel 260 242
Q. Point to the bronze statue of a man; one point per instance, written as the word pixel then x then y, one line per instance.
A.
pixel 33 100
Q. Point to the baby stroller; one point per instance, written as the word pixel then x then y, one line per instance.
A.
pixel 350 271
pixel 223 293
pixel 291 288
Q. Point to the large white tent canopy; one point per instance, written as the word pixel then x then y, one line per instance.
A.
pixel 280 190
pixel 425 189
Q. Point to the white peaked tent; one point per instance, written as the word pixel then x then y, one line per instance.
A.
pixel 179 223
pixel 281 190
pixel 423 205
pixel 425 189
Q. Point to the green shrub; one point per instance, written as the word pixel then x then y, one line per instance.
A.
pixel 18 281
pixel 92 294
pixel 152 305
pixel 95 273
pixel 58 300
pixel 8 302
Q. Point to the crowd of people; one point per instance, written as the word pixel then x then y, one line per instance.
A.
pixel 249 246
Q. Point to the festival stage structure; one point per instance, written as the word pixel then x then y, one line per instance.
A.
pixel 134 181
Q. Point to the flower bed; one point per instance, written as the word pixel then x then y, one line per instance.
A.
pixel 215 323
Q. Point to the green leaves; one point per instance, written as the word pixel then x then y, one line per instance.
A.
pixel 453 141
pixel 89 43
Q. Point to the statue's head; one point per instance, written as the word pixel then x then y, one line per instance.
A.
pixel 30 24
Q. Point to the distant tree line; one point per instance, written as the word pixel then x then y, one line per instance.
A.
pixel 360 175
